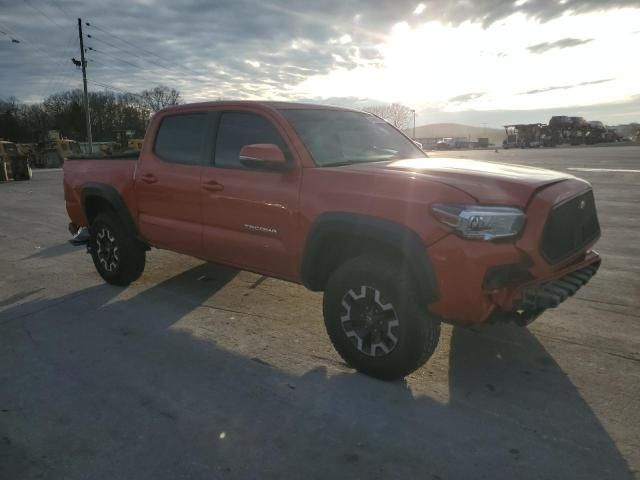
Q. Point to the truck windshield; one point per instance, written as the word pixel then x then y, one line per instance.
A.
pixel 341 137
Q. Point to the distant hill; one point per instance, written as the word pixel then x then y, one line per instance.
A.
pixel 495 135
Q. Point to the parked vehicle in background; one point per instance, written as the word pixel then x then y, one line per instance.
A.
pixel 560 130
pixel 12 163
pixel 135 144
pixel 341 202
pixel 27 149
pixel 53 150
pixel 106 148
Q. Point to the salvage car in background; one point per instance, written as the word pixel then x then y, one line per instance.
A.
pixel 12 163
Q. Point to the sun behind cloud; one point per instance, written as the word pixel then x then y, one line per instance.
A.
pixel 515 63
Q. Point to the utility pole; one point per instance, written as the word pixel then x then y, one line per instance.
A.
pixel 414 124
pixel 84 81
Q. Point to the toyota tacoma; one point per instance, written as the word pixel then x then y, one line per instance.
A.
pixel 343 203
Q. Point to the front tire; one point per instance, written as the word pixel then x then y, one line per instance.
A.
pixel 375 319
pixel 118 257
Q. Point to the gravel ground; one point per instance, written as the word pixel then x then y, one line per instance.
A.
pixel 202 372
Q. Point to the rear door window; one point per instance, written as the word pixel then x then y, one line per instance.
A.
pixel 237 129
pixel 182 138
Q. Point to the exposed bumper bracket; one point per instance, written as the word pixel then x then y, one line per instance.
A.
pixel 553 293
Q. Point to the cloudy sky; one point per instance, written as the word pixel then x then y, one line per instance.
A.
pixel 478 62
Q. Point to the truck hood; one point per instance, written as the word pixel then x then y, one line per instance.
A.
pixel 487 182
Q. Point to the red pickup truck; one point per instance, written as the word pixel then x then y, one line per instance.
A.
pixel 341 202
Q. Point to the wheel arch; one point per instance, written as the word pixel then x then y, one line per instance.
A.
pixel 96 198
pixel 336 236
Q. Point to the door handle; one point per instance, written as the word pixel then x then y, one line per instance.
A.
pixel 149 178
pixel 212 186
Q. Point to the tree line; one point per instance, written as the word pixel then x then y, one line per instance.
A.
pixel 110 113
pixel 398 115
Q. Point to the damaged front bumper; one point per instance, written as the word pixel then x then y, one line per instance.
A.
pixel 525 304
pixel 553 293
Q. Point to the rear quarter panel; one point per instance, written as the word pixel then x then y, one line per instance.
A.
pixel 116 173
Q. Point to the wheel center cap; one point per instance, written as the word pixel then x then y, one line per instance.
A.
pixel 372 327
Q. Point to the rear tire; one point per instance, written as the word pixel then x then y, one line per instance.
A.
pixel 375 319
pixel 118 257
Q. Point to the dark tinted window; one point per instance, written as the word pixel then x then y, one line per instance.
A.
pixel 181 138
pixel 239 129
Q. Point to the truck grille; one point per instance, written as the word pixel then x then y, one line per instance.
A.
pixel 571 226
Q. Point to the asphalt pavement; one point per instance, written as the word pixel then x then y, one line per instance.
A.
pixel 198 371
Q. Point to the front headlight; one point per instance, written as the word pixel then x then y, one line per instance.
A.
pixel 481 222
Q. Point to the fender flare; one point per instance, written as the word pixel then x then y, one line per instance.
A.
pixel 111 196
pixel 395 237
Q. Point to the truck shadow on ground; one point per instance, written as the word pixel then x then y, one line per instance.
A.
pixel 100 387
pixel 53 251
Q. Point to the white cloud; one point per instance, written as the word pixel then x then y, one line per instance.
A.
pixel 426 65
pixel 419 9
pixel 342 40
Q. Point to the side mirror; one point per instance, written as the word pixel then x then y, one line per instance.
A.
pixel 263 155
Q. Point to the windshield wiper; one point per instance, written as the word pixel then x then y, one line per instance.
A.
pixel 339 164
pixel 354 162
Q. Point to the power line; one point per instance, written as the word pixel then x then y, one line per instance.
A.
pixel 34 48
pixel 21 39
pixel 10 34
pixel 126 41
pixel 119 59
pixel 59 7
pixel 93 37
pixel 60 74
pixel 106 65
pixel 114 57
pixel 43 14
pixel 170 62
pixel 64 79
pixel 121 68
pixel 113 88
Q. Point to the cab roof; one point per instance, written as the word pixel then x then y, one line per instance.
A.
pixel 267 104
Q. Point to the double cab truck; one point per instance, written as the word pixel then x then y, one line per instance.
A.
pixel 343 203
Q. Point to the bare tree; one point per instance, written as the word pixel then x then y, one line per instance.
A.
pixel 396 114
pixel 160 97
